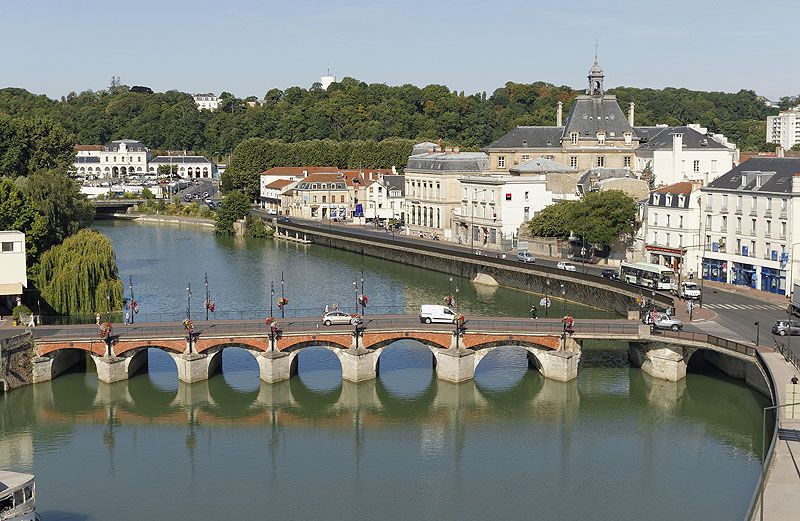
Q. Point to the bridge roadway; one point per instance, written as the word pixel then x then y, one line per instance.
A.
pixel 661 354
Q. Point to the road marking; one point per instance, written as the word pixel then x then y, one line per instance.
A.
pixel 744 306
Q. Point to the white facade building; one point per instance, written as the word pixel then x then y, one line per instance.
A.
pixel 751 225
pixel 673 228
pixel 383 197
pixel 207 101
pixel 128 157
pixel 13 267
pixel 784 129
pixel 687 153
pixel 187 167
pixel 493 207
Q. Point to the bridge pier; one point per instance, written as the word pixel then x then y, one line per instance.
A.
pixel 559 365
pixel 275 366
pixel 455 365
pixel 658 359
pixel 112 369
pixel 359 364
pixel 47 367
pixel 195 367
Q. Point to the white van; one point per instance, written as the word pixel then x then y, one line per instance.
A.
pixel 434 313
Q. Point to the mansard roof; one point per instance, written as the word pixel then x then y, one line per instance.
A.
pixel 591 114
pixel 662 138
pixel 531 137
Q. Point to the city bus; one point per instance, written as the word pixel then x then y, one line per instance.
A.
pixel 647 275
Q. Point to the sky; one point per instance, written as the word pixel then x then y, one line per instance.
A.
pixel 247 47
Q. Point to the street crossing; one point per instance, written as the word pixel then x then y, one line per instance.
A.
pixel 769 307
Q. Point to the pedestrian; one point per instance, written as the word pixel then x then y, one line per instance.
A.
pixel 534 312
pixel 127 318
pixel 326 309
pixel 97 318
pixel 669 311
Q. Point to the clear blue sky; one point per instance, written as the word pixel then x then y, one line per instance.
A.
pixel 247 46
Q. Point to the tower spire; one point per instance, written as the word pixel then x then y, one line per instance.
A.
pixel 595 76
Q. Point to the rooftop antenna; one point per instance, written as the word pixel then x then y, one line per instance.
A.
pixel 595 49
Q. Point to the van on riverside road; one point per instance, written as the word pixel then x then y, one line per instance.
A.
pixel 434 313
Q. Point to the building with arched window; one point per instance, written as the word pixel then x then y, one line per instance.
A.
pixel 128 157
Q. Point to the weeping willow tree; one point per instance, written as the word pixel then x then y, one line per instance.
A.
pixel 78 276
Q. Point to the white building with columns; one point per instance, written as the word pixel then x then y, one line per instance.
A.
pixel 206 101
pixel 685 153
pixel 751 225
pixel 128 157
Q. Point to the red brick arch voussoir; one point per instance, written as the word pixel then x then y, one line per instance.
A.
pixel 477 340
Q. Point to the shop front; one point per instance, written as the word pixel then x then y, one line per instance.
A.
pixel 744 275
pixel 715 269
pixel 773 280
pixel 670 257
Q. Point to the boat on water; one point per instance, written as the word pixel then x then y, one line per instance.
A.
pixel 17 497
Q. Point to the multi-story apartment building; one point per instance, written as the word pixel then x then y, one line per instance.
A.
pixel 384 197
pixel 596 133
pixel 784 129
pixel 494 206
pixel 751 225
pixel 686 153
pixel 320 196
pixel 206 101
pixel 433 189
pixel 673 227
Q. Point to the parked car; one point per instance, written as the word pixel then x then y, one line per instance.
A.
pixel 566 266
pixel 284 219
pixel 786 327
pixel 525 257
pixel 686 290
pixel 336 317
pixel 609 274
pixel 478 252
pixel 664 321
pixel 434 313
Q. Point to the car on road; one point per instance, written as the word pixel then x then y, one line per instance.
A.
pixel 525 257
pixel 566 266
pixel 336 317
pixel 434 313
pixel 664 321
pixel 786 327
pixel 686 290
pixel 609 274
pixel 284 219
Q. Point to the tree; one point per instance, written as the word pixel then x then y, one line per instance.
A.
pixel 19 212
pixel 553 220
pixel 167 171
pixel 254 227
pixel 80 276
pixel 604 217
pixel 235 206
pixel 796 148
pixel 58 198
pixel 31 144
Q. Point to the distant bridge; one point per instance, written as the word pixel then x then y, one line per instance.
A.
pixel 457 352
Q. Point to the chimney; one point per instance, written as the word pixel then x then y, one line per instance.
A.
pixel 779 151
pixel 394 170
pixel 305 173
pixel 677 142
pixel 560 114
pixel 630 113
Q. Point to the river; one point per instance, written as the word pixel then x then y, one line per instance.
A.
pixel 613 444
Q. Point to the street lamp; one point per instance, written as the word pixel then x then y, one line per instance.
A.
pixel 355 289
pixel 208 296
pixel 583 253
pixel 363 302
pixel 563 300
pixel 130 287
pixel 546 298
pixel 283 283
pixel 189 301
pixel 758 332
pixel 108 300
pixel 271 296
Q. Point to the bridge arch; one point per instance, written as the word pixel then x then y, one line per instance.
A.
pixel 404 355
pixel 216 361
pixel 429 339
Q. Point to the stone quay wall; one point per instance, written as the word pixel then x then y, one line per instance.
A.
pixel 16 353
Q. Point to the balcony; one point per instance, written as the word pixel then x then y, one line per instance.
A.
pixel 724 209
pixel 782 215
pixel 738 210
pixel 753 212
pixel 768 213
pixel 709 208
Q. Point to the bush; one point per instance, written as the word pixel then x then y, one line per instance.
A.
pixel 129 195
pixel 147 194
pixel 22 308
pixel 254 227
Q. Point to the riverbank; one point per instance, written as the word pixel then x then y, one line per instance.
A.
pixel 169 219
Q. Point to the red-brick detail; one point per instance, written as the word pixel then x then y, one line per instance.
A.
pixel 439 339
pixel 204 344
pixel 546 342
pixel 97 347
pixel 177 345
pixel 343 340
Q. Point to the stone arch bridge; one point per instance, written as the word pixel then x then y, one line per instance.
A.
pixel 456 352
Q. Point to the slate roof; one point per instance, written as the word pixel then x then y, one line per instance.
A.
pixel 422 148
pixel 778 179
pixel 178 160
pixel 532 137
pixel 659 197
pixel 691 139
pixel 395 182
pixel 590 114
pixel 132 144
pixel 298 170
pixel 449 162
pixel 87 159
pixel 541 165
pixel 88 148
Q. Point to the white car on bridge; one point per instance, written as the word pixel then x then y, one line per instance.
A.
pixel 566 266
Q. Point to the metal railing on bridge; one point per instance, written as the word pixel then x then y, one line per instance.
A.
pixel 731 345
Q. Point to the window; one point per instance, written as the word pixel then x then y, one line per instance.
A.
pixel 669 201
pixel 783 205
pixel 769 228
pixel 738 202
pixel 713 166
pixel 313 198
pixel 738 246
pixel 527 195
pixel 501 161
pixel 525 157
pixel 573 138
pixel 725 201
pixel 696 165
pixel 680 221
pixel 767 248
pixel 769 203
pixel 324 198
pixel 341 198
pixel 708 242
pixel 628 138
pixel 666 240
pixel 508 196
pixel 601 160
pixel 708 222
pixel 783 229
pixel 753 226
pixel 601 138
pixel 667 220
pixel 738 225
pixel 7 247
pixel 680 241
pixel 626 161
pixel 655 237
pixel 752 248
pixel 526 213
pixel 655 219
pixel 724 227
pixel 573 161
pixel 683 166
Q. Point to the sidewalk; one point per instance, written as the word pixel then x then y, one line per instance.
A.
pixel 749 292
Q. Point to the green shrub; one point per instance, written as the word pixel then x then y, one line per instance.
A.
pixel 22 308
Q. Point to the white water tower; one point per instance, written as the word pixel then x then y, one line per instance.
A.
pixel 327 80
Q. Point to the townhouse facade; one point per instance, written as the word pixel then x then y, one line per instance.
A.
pixel 751 225
pixel 13 267
pixel 673 235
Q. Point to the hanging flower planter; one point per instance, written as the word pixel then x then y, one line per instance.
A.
pixel 362 300
pixel 188 325
pixel 460 319
pixel 105 330
pixel 269 320
pixel 283 301
pixel 449 300
pixel 209 305
pixel 134 306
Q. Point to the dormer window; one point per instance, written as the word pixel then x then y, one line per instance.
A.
pixel 669 200
pixel 681 200
pixel 573 138
pixel 628 138
pixel 601 138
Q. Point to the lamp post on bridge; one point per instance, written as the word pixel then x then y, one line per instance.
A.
pixel 108 300
pixel 546 298
pixel 208 296
pixel 283 283
pixel 563 300
pixel 758 331
pixel 189 301
pixel 355 289
pixel 271 296
pixel 133 300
